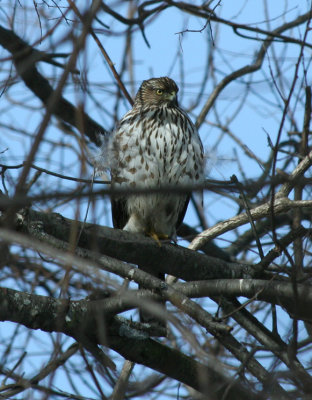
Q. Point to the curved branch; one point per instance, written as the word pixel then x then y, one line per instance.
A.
pixel 78 320
pixel 249 68
pixel 280 205
pixel 85 258
pixel 279 293
pixel 25 58
pixel 171 259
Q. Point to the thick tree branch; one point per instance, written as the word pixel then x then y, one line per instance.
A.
pixel 78 320
pixel 171 259
pixel 83 258
pixel 174 260
pixel 220 331
pixel 25 58
pixel 279 293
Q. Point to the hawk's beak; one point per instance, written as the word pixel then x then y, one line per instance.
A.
pixel 172 95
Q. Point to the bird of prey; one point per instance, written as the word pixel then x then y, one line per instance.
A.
pixel 155 145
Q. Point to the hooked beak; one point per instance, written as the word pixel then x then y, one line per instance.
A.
pixel 172 96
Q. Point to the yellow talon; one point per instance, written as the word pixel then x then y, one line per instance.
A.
pixel 154 236
pixel 157 237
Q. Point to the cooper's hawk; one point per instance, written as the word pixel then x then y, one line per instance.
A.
pixel 155 144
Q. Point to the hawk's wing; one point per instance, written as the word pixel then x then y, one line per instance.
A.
pixel 119 212
pixel 182 212
pixel 121 216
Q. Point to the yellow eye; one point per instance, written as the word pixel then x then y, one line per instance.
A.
pixel 159 92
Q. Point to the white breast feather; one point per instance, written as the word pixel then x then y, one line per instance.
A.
pixel 131 164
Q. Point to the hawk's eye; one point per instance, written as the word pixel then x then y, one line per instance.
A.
pixel 159 92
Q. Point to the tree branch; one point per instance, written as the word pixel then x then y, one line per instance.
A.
pixel 24 57
pixel 171 259
pixel 281 205
pixel 78 320
pixel 279 293
pixel 249 68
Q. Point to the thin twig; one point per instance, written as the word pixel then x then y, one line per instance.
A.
pixel 104 52
pixel 119 392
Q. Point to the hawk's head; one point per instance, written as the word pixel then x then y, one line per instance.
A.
pixel 157 91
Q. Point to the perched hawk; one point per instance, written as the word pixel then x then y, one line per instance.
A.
pixel 155 144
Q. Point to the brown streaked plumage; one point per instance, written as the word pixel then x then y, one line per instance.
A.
pixel 155 144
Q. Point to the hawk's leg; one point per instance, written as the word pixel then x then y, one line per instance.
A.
pixel 157 237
